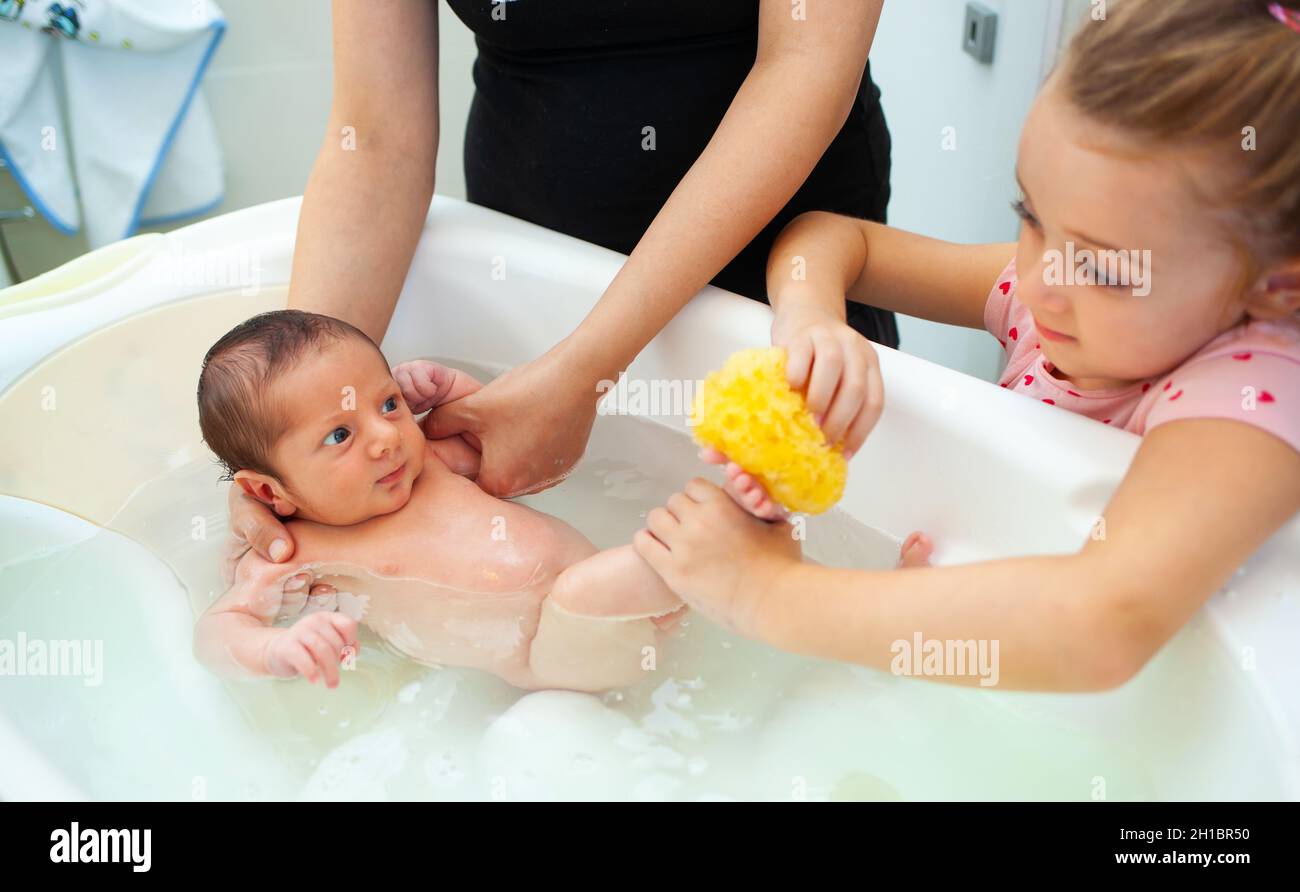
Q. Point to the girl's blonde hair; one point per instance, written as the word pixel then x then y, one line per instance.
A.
pixel 1210 76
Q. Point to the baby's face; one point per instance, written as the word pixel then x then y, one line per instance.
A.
pixel 1086 187
pixel 351 449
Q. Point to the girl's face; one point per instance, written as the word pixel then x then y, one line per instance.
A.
pixel 1125 271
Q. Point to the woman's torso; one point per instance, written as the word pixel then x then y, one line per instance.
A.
pixel 588 113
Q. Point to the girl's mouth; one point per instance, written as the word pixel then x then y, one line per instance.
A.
pixel 1051 334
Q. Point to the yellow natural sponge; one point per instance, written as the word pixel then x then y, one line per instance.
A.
pixel 748 411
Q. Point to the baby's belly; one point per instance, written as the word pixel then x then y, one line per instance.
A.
pixel 442 625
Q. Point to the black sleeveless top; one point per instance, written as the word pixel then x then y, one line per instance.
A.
pixel 565 90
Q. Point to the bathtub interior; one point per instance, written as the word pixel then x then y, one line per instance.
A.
pixel 111 520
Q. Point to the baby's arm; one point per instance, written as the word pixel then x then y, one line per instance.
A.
pixel 235 636
pixel 426 385
pixel 1084 621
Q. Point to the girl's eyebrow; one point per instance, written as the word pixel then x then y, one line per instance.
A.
pixel 1078 235
pixel 1092 241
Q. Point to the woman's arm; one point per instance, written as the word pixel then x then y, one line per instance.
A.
pixel 794 101
pixel 369 191
pixel 1200 497
pixel 822 258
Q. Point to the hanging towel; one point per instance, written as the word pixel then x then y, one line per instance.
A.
pixel 101 118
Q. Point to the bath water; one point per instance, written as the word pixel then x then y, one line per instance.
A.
pixel 720 717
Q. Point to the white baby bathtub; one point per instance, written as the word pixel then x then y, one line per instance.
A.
pixel 488 287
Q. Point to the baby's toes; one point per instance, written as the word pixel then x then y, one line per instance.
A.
pixel 915 551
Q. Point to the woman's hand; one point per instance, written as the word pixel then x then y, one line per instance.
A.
pixel 253 525
pixel 531 423
pixel 837 370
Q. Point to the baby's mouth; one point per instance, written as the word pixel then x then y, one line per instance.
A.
pixel 392 477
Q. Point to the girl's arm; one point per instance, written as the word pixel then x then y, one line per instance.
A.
pixel 821 258
pixel 1200 497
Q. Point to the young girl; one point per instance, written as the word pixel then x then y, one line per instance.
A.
pixel 1154 288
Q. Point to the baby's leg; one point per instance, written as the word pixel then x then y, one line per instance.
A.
pixel 583 653
pixel 744 489
pixel 613 584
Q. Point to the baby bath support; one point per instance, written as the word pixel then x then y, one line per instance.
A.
pixel 939 460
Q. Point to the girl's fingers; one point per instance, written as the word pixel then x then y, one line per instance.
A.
pixel 678 503
pixel 847 402
pixel 701 490
pixel 651 550
pixel 828 365
pixel 662 524
pixel 872 408
pixel 798 361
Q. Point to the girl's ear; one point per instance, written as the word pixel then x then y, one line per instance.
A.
pixel 267 490
pixel 1278 293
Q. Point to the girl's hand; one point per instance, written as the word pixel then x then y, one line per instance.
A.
pixel 716 557
pixel 836 369
pixel 313 647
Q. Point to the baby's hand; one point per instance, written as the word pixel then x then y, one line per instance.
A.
pixel 427 384
pixel 313 647
pixel 836 369
pixel 745 489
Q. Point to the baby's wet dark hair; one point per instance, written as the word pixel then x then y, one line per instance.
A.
pixel 238 415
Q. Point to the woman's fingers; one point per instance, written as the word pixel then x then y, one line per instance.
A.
pixel 257 525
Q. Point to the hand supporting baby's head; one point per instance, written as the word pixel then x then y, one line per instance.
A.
pixel 304 415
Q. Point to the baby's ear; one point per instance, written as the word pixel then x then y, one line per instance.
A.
pixel 267 490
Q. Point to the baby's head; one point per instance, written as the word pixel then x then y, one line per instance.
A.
pixel 303 413
pixel 1165 144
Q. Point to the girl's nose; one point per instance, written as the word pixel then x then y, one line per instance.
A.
pixel 1037 291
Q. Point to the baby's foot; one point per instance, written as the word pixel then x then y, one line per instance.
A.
pixel 744 489
pixel 915 551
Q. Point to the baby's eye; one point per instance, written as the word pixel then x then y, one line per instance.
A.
pixel 337 436
pixel 390 405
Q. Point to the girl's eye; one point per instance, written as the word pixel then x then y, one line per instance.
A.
pixel 1023 212
pixel 337 436
pixel 390 405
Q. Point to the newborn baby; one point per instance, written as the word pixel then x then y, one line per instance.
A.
pixel 302 411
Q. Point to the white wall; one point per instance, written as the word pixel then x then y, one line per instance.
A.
pixel 270 82
pixel 929 84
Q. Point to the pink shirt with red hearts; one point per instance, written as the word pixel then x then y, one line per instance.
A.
pixel 1250 373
